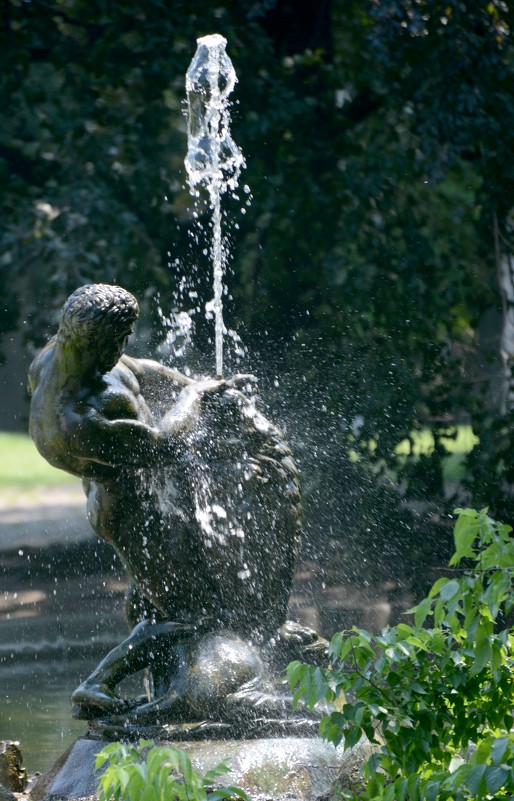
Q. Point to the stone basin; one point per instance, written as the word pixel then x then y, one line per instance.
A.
pixel 268 769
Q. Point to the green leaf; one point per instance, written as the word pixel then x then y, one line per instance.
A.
pixel 483 751
pixel 135 786
pixel 336 644
pixel 495 777
pixel 400 790
pixel 149 794
pixel 390 793
pixel 421 611
pixel 439 612
pixel 499 749
pixel 373 764
pixel 465 533
pixel 294 673
pixel 436 587
pixel 413 787
pixel 320 684
pixel 475 781
pixel 214 773
pixel 123 778
pixel 186 768
pixel 431 790
pixel 106 754
pixel 146 744
pixel 449 589
pixel 352 736
pixel 482 654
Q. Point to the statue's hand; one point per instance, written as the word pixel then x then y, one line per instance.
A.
pixel 211 386
pixel 241 381
pixel 208 386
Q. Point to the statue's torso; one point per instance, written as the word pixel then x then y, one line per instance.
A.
pixel 216 532
pixel 212 532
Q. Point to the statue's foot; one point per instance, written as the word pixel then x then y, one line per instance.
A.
pixel 166 708
pixel 295 641
pixel 269 710
pixel 293 632
pixel 95 700
pixel 252 703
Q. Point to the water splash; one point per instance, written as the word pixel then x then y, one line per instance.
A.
pixel 213 159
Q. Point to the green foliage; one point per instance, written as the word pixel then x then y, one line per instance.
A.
pixel 157 773
pixel 437 702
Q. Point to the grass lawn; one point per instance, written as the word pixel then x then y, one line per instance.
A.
pixel 460 440
pixel 458 443
pixel 22 466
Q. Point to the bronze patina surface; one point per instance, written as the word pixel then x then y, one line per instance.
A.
pixel 199 494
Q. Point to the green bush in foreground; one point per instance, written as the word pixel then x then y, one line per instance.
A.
pixel 437 702
pixel 160 774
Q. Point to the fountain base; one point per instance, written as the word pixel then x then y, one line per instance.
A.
pixel 278 768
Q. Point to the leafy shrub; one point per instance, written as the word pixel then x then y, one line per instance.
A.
pixel 164 773
pixel 436 702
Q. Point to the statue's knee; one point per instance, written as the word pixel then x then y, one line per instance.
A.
pixel 221 664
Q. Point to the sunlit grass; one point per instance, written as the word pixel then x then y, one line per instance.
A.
pixel 22 466
pixel 460 441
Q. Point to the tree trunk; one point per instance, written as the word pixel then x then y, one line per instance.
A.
pixel 504 251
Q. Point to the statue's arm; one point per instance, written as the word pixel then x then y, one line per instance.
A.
pixel 94 436
pixel 38 365
pixel 117 442
pixel 151 374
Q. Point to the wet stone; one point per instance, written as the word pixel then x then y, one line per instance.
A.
pixel 5 794
pixel 292 768
pixel 12 775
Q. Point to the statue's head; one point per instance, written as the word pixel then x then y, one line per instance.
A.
pixel 98 318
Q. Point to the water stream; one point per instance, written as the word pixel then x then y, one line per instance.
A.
pixel 213 159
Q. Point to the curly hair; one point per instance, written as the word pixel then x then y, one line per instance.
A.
pixel 96 313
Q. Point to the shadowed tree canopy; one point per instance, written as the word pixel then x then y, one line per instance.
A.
pixel 378 137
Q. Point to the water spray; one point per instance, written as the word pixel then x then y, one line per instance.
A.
pixel 213 159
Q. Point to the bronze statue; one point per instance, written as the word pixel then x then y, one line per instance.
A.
pixel 198 493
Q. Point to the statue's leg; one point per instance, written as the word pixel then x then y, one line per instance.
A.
pixel 96 696
pixel 210 669
pixel 291 641
pixel 170 705
pixel 137 609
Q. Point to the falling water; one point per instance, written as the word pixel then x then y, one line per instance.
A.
pixel 213 159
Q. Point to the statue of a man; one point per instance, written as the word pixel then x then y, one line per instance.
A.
pixel 194 488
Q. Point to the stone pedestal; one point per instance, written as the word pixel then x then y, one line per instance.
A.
pixel 292 768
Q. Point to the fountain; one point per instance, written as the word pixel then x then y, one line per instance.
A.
pixel 213 159
pixel 199 494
